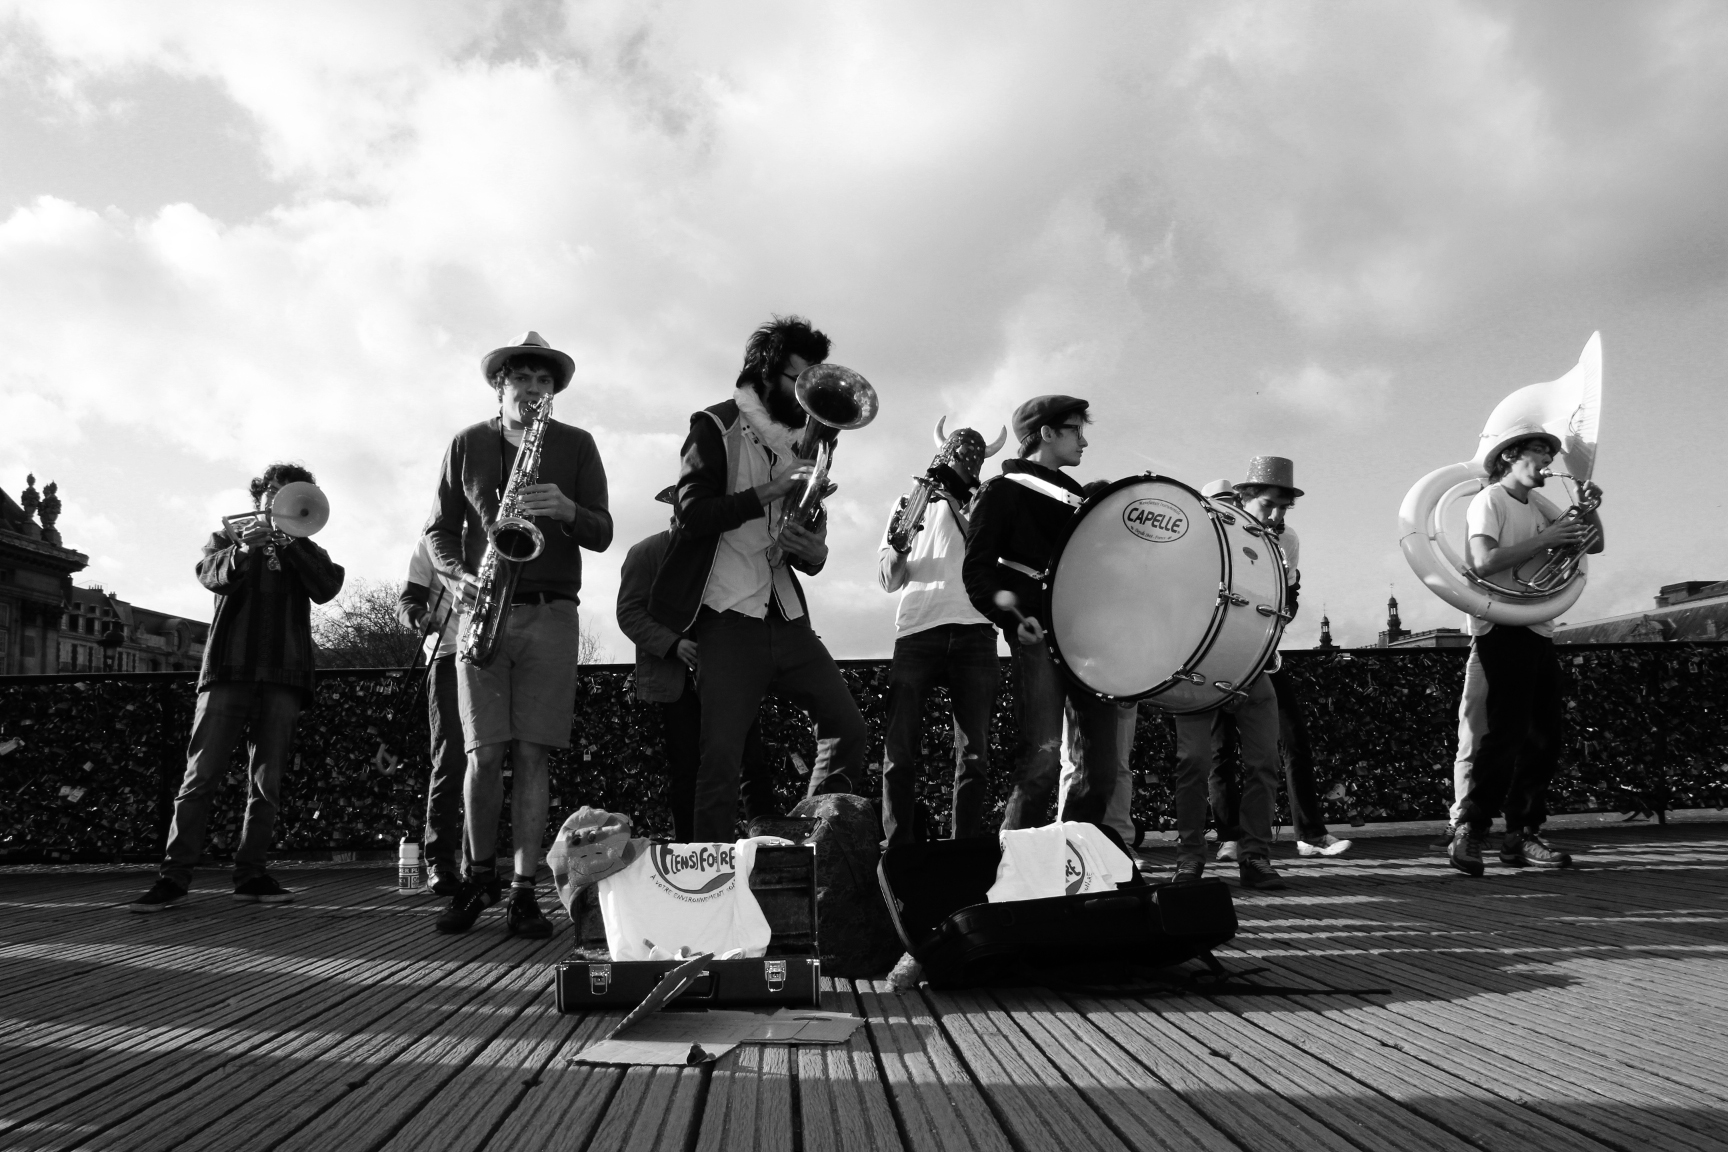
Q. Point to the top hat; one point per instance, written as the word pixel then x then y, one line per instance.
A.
pixel 535 344
pixel 1277 471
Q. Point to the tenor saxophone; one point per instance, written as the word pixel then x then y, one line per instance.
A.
pixel 511 542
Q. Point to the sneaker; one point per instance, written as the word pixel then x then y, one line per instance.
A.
pixel 1444 841
pixel 163 894
pixel 1187 869
pixel 1465 853
pixel 1257 872
pixel 1327 845
pixel 262 889
pixel 443 880
pixel 466 906
pixel 1525 849
pixel 1227 851
pixel 524 917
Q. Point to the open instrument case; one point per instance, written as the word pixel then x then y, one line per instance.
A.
pixel 936 896
pixel 784 882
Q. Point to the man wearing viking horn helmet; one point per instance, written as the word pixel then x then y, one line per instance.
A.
pixel 938 637
pixel 524 699
pixel 718 587
pixel 1511 524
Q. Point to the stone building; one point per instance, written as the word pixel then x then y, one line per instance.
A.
pixel 35 580
pixel 1689 610
pixel 47 624
pixel 1397 636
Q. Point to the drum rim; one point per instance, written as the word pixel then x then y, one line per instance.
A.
pixel 1048 584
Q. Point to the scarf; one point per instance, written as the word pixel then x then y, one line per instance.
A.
pixel 780 440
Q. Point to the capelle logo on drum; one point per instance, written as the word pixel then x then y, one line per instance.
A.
pixel 1156 520
pixel 695 869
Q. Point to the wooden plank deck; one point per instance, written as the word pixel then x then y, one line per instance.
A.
pixel 1526 1012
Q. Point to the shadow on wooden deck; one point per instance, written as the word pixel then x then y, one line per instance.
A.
pixel 1576 1010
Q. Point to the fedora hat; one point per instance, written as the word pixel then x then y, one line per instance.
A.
pixel 1277 471
pixel 534 344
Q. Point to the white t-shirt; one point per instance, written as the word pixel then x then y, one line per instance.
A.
pixel 442 597
pixel 694 896
pixel 934 593
pixel 1291 546
pixel 1063 859
pixel 1496 512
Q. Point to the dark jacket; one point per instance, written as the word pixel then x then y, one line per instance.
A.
pixel 476 467
pixel 660 675
pixel 706 508
pixel 261 627
pixel 1012 522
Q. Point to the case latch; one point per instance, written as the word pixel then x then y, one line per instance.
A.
pixel 774 972
pixel 599 978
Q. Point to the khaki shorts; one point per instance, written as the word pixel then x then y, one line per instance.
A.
pixel 529 690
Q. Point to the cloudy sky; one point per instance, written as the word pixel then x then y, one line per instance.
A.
pixel 1336 231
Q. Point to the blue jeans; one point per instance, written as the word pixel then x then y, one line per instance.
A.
pixel 223 713
pixel 743 659
pixel 1043 698
pixel 963 656
pixel 1198 737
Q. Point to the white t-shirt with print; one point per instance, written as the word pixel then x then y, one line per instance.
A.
pixel 1063 859
pixel 694 896
pixel 1496 512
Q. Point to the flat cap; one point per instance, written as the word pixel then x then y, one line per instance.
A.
pixel 1042 410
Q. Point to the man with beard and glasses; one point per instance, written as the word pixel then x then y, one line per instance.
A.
pixel 719 587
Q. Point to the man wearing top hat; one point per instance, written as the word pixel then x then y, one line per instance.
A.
pixel 1266 493
pixel 524 699
pixel 1514 677
pixel 1016 522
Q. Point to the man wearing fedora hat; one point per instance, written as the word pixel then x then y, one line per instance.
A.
pixel 666 668
pixel 524 700
pixel 1513 668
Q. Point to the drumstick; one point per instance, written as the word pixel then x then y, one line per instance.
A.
pixel 1009 602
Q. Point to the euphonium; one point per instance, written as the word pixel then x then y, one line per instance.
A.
pixel 1567 409
pixel 834 399
pixel 965 448
pixel 512 541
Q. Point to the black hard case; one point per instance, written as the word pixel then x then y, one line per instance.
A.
pixel 936 894
pixel 784 881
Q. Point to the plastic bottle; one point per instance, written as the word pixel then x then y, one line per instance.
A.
pixel 410 870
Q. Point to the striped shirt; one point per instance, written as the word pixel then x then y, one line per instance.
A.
pixel 261 628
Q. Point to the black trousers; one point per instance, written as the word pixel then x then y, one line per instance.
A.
pixel 681 726
pixel 1521 749
pixel 444 844
pixel 1224 786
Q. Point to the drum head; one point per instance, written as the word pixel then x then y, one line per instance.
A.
pixel 1134 588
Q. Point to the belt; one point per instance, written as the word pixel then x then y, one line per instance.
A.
pixel 1021 568
pixel 539 597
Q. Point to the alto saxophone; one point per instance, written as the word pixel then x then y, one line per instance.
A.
pixel 512 541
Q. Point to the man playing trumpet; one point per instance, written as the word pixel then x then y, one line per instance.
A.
pixel 1514 668
pixel 524 699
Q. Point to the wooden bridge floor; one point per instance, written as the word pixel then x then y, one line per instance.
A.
pixel 1527 1011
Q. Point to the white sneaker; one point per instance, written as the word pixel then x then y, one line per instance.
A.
pixel 1327 845
pixel 1227 851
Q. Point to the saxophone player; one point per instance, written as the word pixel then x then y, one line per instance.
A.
pixel 524 699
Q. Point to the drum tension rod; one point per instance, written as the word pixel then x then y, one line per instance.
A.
pixel 1233 598
pixel 1268 610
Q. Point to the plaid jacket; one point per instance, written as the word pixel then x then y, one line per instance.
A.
pixel 261 630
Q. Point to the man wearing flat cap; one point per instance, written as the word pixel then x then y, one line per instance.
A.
pixel 523 701
pixel 1017 520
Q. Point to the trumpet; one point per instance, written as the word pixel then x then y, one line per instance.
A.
pixel 834 399
pixel 965 449
pixel 296 510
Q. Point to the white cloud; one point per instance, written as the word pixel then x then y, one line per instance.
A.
pixel 1344 400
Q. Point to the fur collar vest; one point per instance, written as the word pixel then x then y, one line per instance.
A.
pixel 781 440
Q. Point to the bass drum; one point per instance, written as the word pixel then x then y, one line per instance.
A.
pixel 1158 594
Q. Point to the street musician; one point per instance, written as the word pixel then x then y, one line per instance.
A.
pixel 523 698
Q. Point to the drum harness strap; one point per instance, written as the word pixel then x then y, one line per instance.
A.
pixel 1043 488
